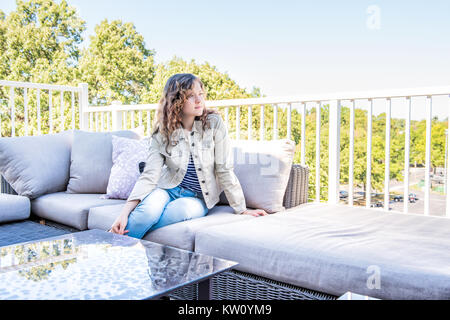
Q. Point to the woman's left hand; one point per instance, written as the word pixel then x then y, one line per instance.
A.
pixel 255 213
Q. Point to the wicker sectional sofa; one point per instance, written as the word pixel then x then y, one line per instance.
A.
pixel 305 251
pixel 82 211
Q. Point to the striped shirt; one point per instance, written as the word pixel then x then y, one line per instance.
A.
pixel 190 180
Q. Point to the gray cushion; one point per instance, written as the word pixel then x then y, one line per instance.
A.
pixel 36 165
pixel 68 209
pixel 91 160
pixel 335 249
pixel 180 235
pixel 263 169
pixel 13 208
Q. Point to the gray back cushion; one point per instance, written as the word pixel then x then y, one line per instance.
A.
pixel 263 169
pixel 37 165
pixel 91 160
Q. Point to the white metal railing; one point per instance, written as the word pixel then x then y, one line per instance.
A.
pixel 26 90
pixel 334 101
pixel 117 117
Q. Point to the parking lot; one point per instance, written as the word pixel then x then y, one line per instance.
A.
pixel 437 203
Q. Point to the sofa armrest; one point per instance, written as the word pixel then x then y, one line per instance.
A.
pixel 6 187
pixel 297 187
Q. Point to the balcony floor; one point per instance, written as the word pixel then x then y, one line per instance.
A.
pixel 23 231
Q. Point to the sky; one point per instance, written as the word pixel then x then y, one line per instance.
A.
pixel 296 47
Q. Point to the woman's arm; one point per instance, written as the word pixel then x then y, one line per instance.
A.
pixel 144 185
pixel 149 178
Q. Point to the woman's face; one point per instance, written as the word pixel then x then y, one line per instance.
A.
pixel 195 101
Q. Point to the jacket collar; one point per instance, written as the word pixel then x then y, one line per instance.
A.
pixel 178 134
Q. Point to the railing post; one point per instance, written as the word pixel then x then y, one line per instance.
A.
pixel 84 105
pixel 447 176
pixel 369 156
pixel 303 137
pixel 317 169
pixel 117 118
pixel 429 119
pixel 407 155
pixel 387 155
pixel 334 151
pixel 352 153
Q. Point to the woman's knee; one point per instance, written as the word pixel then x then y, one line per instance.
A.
pixel 185 209
pixel 156 200
pixel 149 210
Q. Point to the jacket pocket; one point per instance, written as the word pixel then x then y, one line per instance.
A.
pixel 206 153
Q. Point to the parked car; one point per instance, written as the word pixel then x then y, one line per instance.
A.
pixel 360 194
pixel 397 198
pixel 413 198
pixel 376 204
pixel 343 194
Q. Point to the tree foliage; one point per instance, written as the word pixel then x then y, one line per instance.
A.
pixel 40 42
pixel 117 65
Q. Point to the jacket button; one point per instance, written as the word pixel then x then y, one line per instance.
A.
pixel 193 144
pixel 203 181
pixel 206 193
pixel 192 133
pixel 199 169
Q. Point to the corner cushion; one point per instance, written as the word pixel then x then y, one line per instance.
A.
pixel 91 159
pixel 37 165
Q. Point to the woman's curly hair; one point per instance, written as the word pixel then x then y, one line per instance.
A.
pixel 170 111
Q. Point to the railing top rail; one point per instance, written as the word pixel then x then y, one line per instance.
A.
pixel 122 107
pixel 356 95
pixel 41 86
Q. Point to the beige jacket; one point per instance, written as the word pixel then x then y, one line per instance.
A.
pixel 213 162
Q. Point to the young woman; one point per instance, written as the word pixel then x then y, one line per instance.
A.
pixel 190 162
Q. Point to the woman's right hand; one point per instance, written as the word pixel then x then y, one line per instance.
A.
pixel 119 225
pixel 122 220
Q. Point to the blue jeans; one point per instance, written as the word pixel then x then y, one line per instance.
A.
pixel 163 207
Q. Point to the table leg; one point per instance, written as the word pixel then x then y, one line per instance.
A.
pixel 204 290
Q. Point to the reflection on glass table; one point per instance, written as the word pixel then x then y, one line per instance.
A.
pixel 99 265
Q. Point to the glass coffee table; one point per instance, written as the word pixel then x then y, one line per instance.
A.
pixel 99 265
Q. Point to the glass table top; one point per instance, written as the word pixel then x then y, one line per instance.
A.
pixel 95 264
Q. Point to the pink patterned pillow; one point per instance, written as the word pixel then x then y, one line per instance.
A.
pixel 126 155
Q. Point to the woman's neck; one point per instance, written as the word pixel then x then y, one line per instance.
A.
pixel 188 123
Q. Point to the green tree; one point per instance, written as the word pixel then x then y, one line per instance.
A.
pixel 117 65
pixel 43 39
pixel 39 42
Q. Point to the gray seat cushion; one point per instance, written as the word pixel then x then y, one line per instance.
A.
pixel 180 235
pixel 13 208
pixel 68 209
pixel 335 249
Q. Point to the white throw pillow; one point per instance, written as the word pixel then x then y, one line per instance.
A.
pixel 126 156
pixel 263 169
